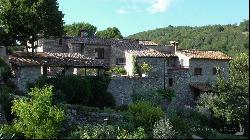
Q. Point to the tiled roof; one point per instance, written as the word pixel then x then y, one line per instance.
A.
pixel 101 41
pixel 149 53
pixel 204 54
pixel 54 59
pixel 147 43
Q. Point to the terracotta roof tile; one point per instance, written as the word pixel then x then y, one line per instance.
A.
pixel 204 54
pixel 54 59
pixel 147 43
pixel 149 53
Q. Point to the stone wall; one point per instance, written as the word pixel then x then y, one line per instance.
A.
pixel 52 45
pixel 207 66
pixel 26 75
pixel 76 116
pixel 123 87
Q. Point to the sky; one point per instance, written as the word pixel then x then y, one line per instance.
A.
pixel 133 16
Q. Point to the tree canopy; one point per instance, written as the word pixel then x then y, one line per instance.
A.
pixel 230 101
pixel 74 29
pixel 231 39
pixel 23 20
pixel 110 33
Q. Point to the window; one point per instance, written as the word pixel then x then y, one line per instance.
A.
pixel 170 82
pixel 60 41
pixel 82 48
pixel 216 71
pixel 99 53
pixel 181 62
pixel 120 61
pixel 197 71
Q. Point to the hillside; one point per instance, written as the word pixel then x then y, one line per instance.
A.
pixel 231 38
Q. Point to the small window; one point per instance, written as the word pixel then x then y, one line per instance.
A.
pixel 99 53
pixel 197 71
pixel 170 82
pixel 181 62
pixel 216 71
pixel 60 41
pixel 120 61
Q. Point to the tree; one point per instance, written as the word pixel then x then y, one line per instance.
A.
pixel 231 100
pixel 74 29
pixel 36 116
pixel 25 20
pixel 110 33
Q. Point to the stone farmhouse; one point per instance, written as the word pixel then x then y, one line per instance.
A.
pixel 187 72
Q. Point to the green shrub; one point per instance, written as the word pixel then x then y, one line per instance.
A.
pixel 145 67
pixel 9 132
pixel 163 129
pixel 151 96
pixel 118 70
pixel 168 93
pixel 106 132
pixel 185 119
pixel 5 102
pixel 36 116
pixel 145 114
pixel 204 132
pixel 88 91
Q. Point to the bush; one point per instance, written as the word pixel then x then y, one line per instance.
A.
pixel 168 93
pixel 145 114
pixel 36 116
pixel 185 119
pixel 118 70
pixel 163 129
pixel 88 91
pixel 5 102
pixel 204 132
pixel 106 132
pixel 9 132
pixel 151 96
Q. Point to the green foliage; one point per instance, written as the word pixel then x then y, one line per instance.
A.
pixel 135 66
pixel 145 114
pixel 74 29
pixel 106 132
pixel 231 39
pixel 5 102
pixel 167 93
pixel 9 132
pixel 184 119
pixel 230 102
pixel 150 96
pixel 89 91
pixel 5 71
pixel 204 132
pixel 110 33
pixel 37 117
pixel 118 70
pixel 30 18
pixel 145 67
pixel 163 129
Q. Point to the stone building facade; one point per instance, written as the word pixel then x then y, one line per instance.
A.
pixel 187 72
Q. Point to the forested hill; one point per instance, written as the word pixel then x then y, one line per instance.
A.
pixel 231 38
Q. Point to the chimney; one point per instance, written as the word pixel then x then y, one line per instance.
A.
pixel 175 44
pixel 83 33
